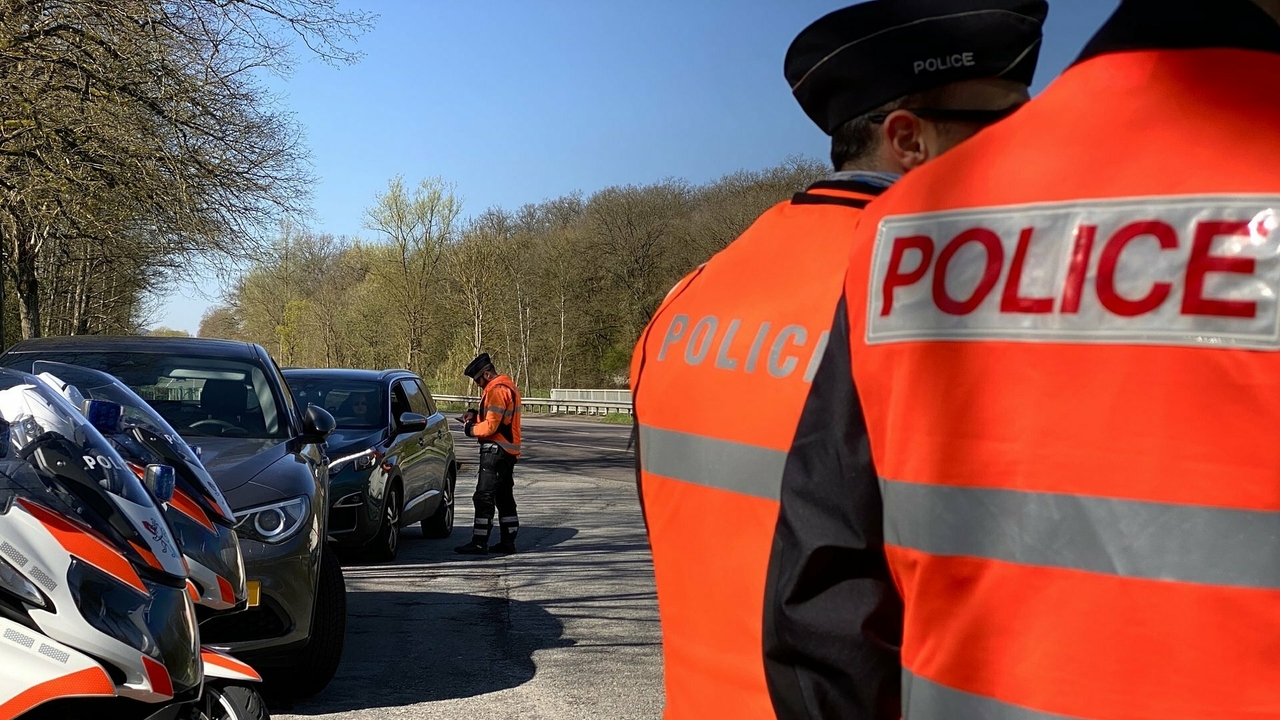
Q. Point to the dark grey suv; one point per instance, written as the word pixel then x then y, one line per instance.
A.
pixel 393 459
pixel 230 402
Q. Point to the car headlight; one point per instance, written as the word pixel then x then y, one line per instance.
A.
pixel 273 523
pixel 19 586
pixel 362 460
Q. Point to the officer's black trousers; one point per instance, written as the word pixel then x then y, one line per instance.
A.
pixel 496 487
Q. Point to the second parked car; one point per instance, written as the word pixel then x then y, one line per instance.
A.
pixel 392 460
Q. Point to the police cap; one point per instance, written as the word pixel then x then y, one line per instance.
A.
pixel 475 367
pixel 856 59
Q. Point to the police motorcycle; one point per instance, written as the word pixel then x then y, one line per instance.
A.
pixel 95 615
pixel 197 512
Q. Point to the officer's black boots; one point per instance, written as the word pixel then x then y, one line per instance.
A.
pixel 472 548
pixel 506 547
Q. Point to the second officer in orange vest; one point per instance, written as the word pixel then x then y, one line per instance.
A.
pixel 721 373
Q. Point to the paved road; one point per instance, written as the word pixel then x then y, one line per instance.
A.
pixel 567 629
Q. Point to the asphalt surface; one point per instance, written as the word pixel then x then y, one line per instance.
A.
pixel 566 629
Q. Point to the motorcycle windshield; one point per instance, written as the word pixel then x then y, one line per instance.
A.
pixel 199 514
pixel 145 427
pixel 81 476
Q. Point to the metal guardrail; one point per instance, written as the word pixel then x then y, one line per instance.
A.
pixel 555 405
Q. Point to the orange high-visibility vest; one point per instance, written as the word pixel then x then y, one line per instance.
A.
pixel 500 415
pixel 719 379
pixel 1064 337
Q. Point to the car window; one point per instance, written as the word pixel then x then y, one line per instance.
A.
pixel 417 402
pixel 198 396
pixel 354 404
pixel 290 407
pixel 426 395
pixel 399 401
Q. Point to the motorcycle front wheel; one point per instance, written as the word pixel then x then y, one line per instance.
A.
pixel 231 702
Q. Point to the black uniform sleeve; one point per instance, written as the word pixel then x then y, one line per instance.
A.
pixel 833 618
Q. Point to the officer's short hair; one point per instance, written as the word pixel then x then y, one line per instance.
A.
pixel 854 143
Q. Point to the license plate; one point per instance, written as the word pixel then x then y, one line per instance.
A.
pixel 255 592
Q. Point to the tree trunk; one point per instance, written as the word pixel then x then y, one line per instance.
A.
pixel 28 301
pixel 560 354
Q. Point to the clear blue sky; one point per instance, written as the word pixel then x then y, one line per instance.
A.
pixel 517 101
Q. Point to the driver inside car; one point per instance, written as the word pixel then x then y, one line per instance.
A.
pixel 355 409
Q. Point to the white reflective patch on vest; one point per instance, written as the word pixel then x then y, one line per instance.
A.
pixel 1196 271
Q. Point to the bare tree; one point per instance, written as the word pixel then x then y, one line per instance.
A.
pixel 139 123
pixel 415 226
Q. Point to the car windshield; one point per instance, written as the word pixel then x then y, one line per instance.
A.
pixel 355 404
pixel 212 397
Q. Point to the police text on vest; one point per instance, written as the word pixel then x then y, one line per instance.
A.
pixel 1200 271
pixel 772 347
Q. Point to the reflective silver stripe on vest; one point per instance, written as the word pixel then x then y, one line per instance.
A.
pixel 1128 538
pixel 721 464
pixel 924 699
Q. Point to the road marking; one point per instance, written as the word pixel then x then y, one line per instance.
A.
pixel 535 443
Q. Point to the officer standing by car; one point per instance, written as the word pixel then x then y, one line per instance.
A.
pixel 499 436
pixel 1047 413
pixel 721 373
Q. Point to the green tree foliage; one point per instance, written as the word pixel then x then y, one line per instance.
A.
pixel 558 292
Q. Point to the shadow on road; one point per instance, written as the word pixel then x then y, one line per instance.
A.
pixel 530 540
pixel 413 647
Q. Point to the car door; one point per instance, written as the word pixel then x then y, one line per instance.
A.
pixel 412 446
pixel 432 470
pixel 439 438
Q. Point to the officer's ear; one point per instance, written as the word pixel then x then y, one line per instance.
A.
pixel 904 140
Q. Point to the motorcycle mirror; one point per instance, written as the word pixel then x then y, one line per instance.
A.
pixel 160 480
pixel 106 416
pixel 4 438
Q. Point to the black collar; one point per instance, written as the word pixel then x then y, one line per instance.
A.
pixel 1185 25
pixel 808 197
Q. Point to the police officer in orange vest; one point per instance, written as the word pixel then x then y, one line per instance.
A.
pixel 1046 418
pixel 721 373
pixel 496 425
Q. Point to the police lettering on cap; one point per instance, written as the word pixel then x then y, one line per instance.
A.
pixel 855 60
pixel 478 365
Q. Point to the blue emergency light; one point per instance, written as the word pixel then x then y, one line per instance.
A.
pixel 106 416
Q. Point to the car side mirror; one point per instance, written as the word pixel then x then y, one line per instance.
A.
pixel 106 416
pixel 160 481
pixel 4 438
pixel 412 422
pixel 317 423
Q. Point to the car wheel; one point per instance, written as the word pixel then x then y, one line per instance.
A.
pixel 386 543
pixel 314 666
pixel 440 524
